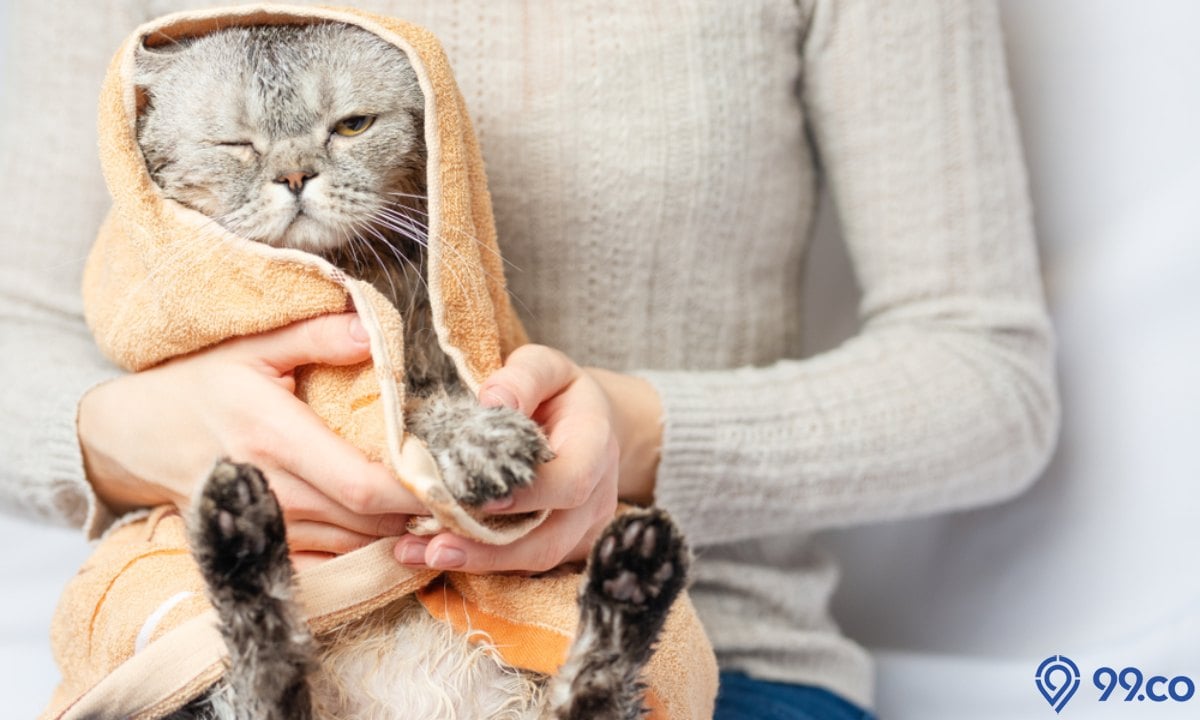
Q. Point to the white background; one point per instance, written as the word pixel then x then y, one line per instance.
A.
pixel 1101 560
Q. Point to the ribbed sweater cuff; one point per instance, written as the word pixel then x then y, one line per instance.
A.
pixel 690 466
pixel 74 498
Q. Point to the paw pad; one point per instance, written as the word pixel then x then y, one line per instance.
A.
pixel 640 561
pixel 237 528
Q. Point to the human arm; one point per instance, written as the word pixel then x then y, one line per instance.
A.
pixel 605 430
pixel 149 437
pixel 946 397
pixel 53 199
pixel 580 484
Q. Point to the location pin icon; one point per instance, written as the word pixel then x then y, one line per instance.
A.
pixel 1057 679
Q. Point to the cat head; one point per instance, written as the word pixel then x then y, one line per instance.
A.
pixel 299 136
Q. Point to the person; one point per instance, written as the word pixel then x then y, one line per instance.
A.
pixel 654 169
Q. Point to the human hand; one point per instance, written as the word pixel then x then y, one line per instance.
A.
pixel 604 430
pixel 149 437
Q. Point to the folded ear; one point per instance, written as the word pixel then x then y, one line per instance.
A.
pixel 150 62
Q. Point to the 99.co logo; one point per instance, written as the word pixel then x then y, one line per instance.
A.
pixel 1058 679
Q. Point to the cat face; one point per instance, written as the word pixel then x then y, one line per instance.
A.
pixel 294 136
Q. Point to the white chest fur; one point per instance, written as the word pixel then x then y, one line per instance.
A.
pixel 403 663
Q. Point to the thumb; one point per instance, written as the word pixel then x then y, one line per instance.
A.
pixel 325 340
pixel 531 375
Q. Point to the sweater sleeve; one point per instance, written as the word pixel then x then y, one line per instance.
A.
pixel 53 198
pixel 946 397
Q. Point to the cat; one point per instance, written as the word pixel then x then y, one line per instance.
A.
pixel 311 137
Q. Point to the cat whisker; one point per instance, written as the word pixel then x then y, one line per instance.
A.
pixel 350 241
pixel 73 261
pixel 217 238
pixel 347 239
pixel 403 259
pixel 462 233
pixel 424 228
pixel 463 261
pixel 382 266
pixel 406 230
pixel 412 196
pixel 419 232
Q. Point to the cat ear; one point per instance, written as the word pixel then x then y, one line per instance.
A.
pixel 151 62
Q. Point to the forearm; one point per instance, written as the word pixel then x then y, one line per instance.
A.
pixel 637 422
pixel 49 367
pixel 946 398
pixel 905 420
pixel 52 198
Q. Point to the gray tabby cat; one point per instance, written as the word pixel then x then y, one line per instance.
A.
pixel 310 137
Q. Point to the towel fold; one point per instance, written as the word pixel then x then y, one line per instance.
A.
pixel 133 634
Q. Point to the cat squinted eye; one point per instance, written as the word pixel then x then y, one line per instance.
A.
pixel 310 137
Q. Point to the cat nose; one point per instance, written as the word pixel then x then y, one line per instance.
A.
pixel 295 180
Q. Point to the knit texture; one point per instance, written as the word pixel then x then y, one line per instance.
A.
pixel 654 170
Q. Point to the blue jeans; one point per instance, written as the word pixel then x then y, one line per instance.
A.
pixel 744 698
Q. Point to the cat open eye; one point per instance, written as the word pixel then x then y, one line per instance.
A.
pixel 354 125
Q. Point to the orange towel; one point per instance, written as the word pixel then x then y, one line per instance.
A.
pixel 133 635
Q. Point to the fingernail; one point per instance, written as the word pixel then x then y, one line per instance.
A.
pixel 447 558
pixel 412 552
pixel 358 333
pixel 498 397
pixel 500 504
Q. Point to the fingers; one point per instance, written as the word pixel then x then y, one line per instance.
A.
pixel 303 560
pixel 328 462
pixel 302 502
pixel 236 400
pixel 531 375
pixel 307 536
pixel 580 465
pixel 579 486
pixel 334 498
pixel 328 340
pixel 578 423
pixel 566 536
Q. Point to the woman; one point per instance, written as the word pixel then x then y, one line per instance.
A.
pixel 655 169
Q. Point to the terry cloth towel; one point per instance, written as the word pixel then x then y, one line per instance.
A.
pixel 133 635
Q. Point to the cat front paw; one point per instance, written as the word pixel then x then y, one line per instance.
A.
pixel 237 530
pixel 493 452
pixel 482 453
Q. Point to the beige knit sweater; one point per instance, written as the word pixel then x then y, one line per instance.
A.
pixel 655 167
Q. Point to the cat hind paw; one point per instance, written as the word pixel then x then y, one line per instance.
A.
pixel 237 528
pixel 640 563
